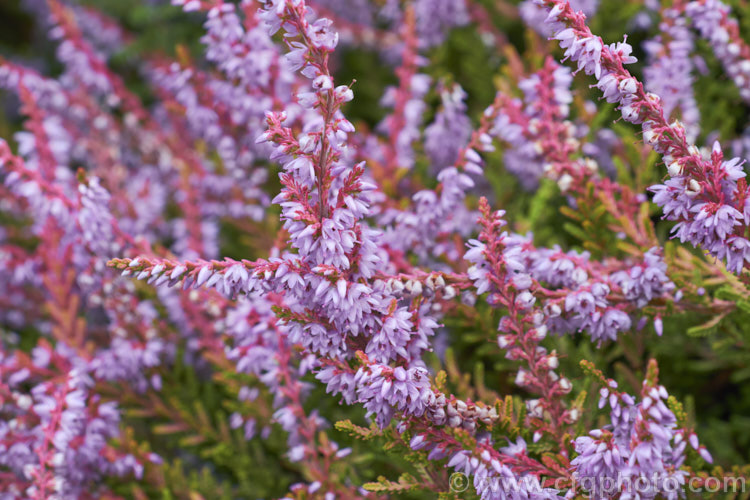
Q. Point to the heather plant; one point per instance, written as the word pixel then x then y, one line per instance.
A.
pixel 333 249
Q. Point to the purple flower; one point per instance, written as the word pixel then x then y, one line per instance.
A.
pixel 450 131
pixel 436 17
pixel 322 36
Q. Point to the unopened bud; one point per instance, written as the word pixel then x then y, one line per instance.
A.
pixel 693 188
pixel 674 168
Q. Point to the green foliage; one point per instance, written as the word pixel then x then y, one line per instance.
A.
pixel 188 420
pixel 406 482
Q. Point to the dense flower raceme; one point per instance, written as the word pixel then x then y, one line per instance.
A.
pixel 588 304
pixel 534 15
pixel 642 450
pixel 386 242
pixel 434 214
pixel 713 22
pixel 670 73
pixel 402 126
pixel 703 192
pixel 450 131
pixel 55 435
pixel 522 124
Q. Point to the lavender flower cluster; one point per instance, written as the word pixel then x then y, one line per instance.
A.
pixel 373 254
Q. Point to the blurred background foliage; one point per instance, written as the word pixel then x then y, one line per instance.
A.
pixel 707 369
